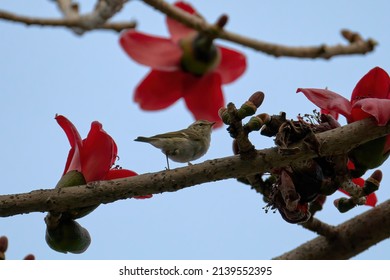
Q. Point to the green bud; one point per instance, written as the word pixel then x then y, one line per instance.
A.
pixel 264 117
pixel 68 236
pixel 344 204
pixel 224 115
pixel 247 109
pixel 254 124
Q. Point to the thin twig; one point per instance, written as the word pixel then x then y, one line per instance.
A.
pixel 67 22
pixel 359 46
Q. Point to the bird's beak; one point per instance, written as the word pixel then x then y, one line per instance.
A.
pixel 211 124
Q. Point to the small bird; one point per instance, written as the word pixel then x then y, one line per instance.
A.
pixel 183 145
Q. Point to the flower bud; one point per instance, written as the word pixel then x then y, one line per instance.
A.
pixel 372 183
pixel 247 109
pixel 254 124
pixel 257 98
pixel 224 115
pixel 29 257
pixel 3 243
pixel 264 117
pixel 222 21
pixel 344 204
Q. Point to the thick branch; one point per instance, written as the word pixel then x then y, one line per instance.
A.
pixel 356 44
pixel 353 237
pixel 67 22
pixel 332 142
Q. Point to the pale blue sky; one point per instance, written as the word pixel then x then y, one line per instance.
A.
pixel 44 71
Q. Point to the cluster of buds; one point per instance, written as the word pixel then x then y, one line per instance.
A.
pixel 233 117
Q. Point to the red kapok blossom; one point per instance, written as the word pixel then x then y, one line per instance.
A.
pixel 92 156
pixel 178 71
pixel 95 155
pixel 370 97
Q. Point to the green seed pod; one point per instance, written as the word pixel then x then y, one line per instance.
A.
pixel 68 236
pixel 247 109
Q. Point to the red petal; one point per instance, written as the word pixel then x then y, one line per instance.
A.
pixel 371 200
pixel 119 173
pixel 98 154
pixel 378 108
pixel 177 29
pixel 123 173
pixel 232 65
pixel 375 84
pixel 328 100
pixel 152 51
pixel 159 89
pixel 204 97
pixel 73 160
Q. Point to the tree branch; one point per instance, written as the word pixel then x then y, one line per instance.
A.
pixel 353 237
pixel 67 22
pixel 335 141
pixel 356 44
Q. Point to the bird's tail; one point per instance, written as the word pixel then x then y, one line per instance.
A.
pixel 142 139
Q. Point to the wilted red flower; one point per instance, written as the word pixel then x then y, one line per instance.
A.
pixel 370 98
pixel 187 65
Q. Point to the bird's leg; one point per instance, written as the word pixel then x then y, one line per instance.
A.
pixel 167 162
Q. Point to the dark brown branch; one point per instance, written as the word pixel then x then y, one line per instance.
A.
pixel 332 142
pixel 352 237
pixel 356 44
pixel 67 22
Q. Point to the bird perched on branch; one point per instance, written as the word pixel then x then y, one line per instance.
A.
pixel 183 145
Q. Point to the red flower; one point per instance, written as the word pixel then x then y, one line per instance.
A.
pixel 95 155
pixel 370 98
pixel 179 72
